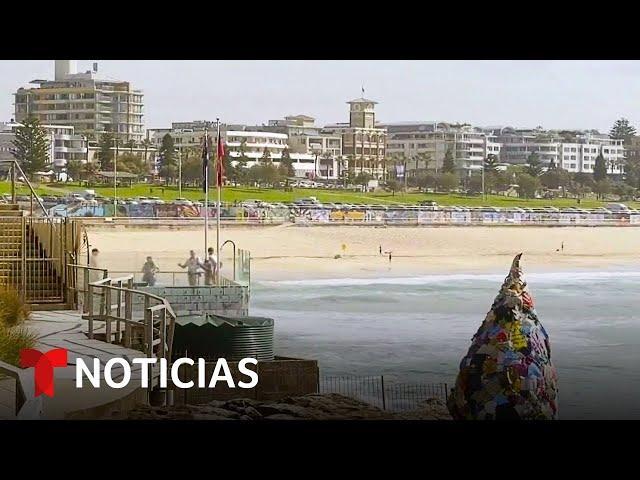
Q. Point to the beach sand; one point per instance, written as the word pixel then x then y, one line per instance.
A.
pixel 297 252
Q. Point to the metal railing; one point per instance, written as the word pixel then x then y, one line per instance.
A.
pixel 114 302
pixel 17 399
pixel 13 166
pixel 33 252
pixel 172 278
pixel 387 395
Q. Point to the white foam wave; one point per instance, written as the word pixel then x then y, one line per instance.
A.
pixel 547 277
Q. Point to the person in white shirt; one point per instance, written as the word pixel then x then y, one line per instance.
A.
pixel 193 265
pixel 94 262
pixel 210 267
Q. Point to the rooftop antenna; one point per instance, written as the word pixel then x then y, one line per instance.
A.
pixel 362 90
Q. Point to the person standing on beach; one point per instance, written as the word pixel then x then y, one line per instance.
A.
pixel 149 270
pixel 562 246
pixel 380 249
pixel 389 257
pixel 192 264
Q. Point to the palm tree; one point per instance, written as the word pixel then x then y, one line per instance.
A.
pixel 146 143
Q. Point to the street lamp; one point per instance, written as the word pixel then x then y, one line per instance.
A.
pixel 180 173
pixel 115 179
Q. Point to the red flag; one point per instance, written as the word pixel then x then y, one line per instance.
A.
pixel 220 162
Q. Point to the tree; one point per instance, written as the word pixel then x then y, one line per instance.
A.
pixel 105 152
pixel 622 130
pixel 534 166
pixel 74 170
pixel 528 185
pixel 624 191
pixel 266 156
pixel 146 143
pixel 363 179
pixel 394 186
pixel 90 171
pixel 167 152
pixel 192 170
pixel 491 163
pixel 32 146
pixel 555 178
pixel 600 168
pixel 287 164
pixel 602 188
pixel 129 162
pixel 448 181
pixel 448 164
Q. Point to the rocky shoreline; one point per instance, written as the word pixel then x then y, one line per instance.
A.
pixel 308 407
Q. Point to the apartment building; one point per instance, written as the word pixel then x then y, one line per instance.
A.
pixel 579 155
pixel 573 150
pixel 81 100
pixel 423 145
pixel 65 144
pixel 304 137
pixel 363 142
pixel 259 146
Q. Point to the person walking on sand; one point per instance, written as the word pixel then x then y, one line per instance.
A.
pixel 562 246
pixel 192 264
pixel 149 270
pixel 389 257
pixel 380 249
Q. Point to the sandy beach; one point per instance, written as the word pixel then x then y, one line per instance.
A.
pixel 295 252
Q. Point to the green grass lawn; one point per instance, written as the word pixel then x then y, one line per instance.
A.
pixel 230 194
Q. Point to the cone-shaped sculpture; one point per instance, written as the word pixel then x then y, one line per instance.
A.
pixel 507 372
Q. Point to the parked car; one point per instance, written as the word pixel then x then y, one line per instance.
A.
pixel 617 207
pixel 182 201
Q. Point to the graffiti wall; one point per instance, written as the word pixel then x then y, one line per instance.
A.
pixel 326 215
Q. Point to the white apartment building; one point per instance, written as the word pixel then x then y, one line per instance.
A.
pixel 409 141
pixel 580 156
pixel 575 151
pixel 304 137
pixel 65 144
pixel 257 147
pixel 85 102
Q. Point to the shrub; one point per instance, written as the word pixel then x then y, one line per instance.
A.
pixel 13 310
pixel 14 339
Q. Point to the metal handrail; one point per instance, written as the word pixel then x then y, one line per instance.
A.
pixel 33 192
pixel 164 340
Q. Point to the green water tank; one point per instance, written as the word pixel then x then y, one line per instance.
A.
pixel 215 336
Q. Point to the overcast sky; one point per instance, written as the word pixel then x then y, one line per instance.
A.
pixel 553 94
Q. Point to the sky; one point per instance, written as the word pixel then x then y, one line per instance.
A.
pixel 558 94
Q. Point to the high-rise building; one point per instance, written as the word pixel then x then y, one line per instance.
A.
pixel 82 100
pixel 363 143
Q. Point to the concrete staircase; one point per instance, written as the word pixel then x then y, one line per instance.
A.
pixel 43 286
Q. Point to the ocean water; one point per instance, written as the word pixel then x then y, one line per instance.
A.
pixel 417 329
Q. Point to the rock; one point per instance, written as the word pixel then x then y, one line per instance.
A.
pixel 306 407
pixel 280 416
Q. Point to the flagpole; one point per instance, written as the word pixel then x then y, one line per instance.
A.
pixel 206 194
pixel 219 185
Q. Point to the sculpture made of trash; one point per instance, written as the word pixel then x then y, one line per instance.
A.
pixel 507 372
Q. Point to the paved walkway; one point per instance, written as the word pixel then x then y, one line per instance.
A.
pixel 67 329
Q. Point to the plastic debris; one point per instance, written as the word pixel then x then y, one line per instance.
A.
pixel 507 373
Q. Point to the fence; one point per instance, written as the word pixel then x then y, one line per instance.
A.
pixel 386 395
